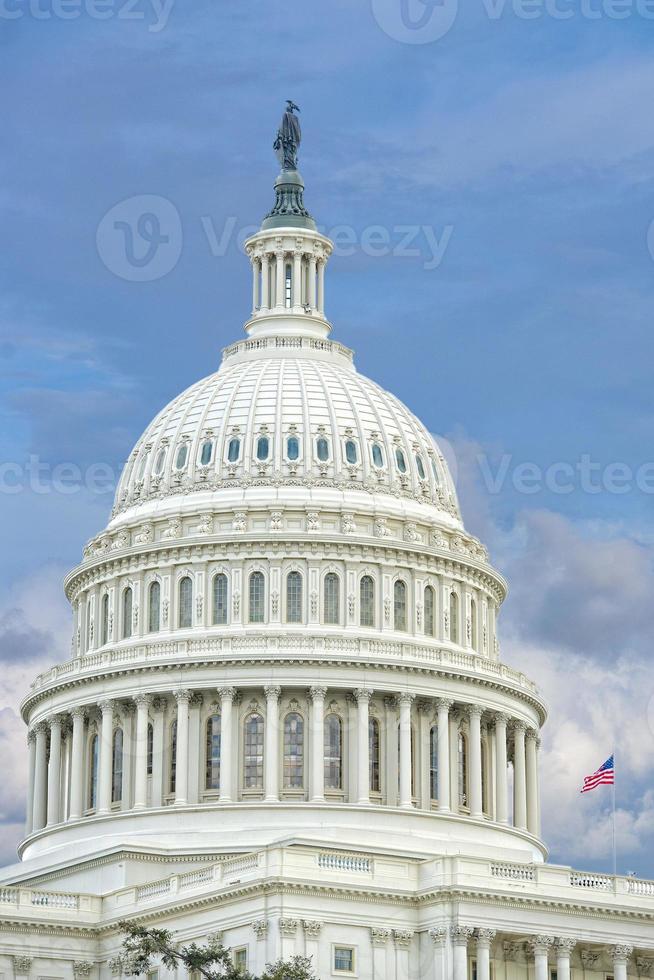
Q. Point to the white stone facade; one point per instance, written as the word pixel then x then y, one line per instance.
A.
pixel 285 718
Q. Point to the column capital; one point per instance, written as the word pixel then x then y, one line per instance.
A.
pixel 363 694
pixel 182 695
pixel 31 736
pixel 143 699
pixel 79 712
pixel 444 703
pixel 227 693
pixel 532 733
pixel 461 934
pixel 484 937
pixel 288 927
pixel 379 937
pixel 390 702
pixel 438 935
pixel 41 728
pixel 261 927
pixel 564 945
pixel 590 958
pixel 406 698
pixel 317 693
pixel 55 721
pixel 22 965
pixel 312 928
pixel 621 953
pixel 272 692
pixel 402 938
pixel 501 718
pixel 540 944
pixel 106 707
pixel 519 726
pixel 474 709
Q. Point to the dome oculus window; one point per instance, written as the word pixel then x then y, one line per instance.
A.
pixel 322 449
pixel 420 467
pixel 377 455
pixel 182 456
pixel 400 459
pixel 292 448
pixel 351 452
pixel 233 450
pixel 159 462
pixel 263 448
pixel 206 452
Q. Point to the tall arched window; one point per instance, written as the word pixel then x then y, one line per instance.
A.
pixel 206 452
pixel 293 751
pixel 293 597
pixel 367 601
pixel 150 749
pixel 333 738
pixel 322 449
pixel 332 599
pixel 219 605
pixel 400 459
pixel 105 618
pixel 462 750
pixel 253 752
pixel 172 781
pixel 233 450
pixel 263 448
pixel 351 452
pixel 374 755
pixel 430 619
pixel 154 607
pixel 181 457
pixel 159 462
pixel 454 617
pixel 185 603
pixel 399 605
pixel 212 769
pixel 473 624
pixel 127 613
pixel 433 762
pixel 420 467
pixel 257 596
pixel 117 766
pixel 93 772
pixel 377 455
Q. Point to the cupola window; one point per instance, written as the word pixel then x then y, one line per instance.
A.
pixel 257 597
pixel 154 607
pixel 212 770
pixel 185 603
pixel 367 601
pixel 288 286
pixel 127 613
pixel 293 751
pixel 421 467
pixel 429 611
pixel 182 456
pixel 434 470
pixel 292 448
pixel 400 459
pixel 206 453
pixel 351 453
pixel 377 455
pixel 220 599
pixel 399 605
pixel 331 599
pixel 233 450
pixel 294 597
pixel 322 449
pixel 159 462
pixel 263 448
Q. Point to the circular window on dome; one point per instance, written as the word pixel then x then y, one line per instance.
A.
pixel 421 467
pixel 292 448
pixel 322 449
pixel 159 462
pixel 263 448
pixel 182 456
pixel 400 459
pixel 233 450
pixel 206 452
pixel 377 455
pixel 351 451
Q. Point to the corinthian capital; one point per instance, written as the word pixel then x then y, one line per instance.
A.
pixel 565 945
pixel 461 934
pixel 621 953
pixel 540 944
pixel 363 694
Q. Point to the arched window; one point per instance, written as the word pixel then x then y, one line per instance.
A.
pixel 322 449
pixel 206 452
pixel 351 453
pixel 420 466
pixel 219 606
pixel 172 781
pixel 117 766
pixel 212 769
pixel 333 752
pixel 332 599
pixel 253 752
pixel 150 749
pixel 127 613
pixel 433 762
pixel 473 624
pixel 293 597
pixel 93 772
pixel 257 596
pixel 263 448
pixel 454 617
pixel 373 755
pixel 233 450
pixel 159 462
pixel 154 607
pixel 105 618
pixel 367 601
pixel 142 465
pixel 399 605
pixel 185 603
pixel 430 619
pixel 462 749
pixel 377 455
pixel 293 751
pixel 400 459
pixel 182 456
pixel 292 448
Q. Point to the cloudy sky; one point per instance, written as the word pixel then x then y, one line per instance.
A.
pixel 487 174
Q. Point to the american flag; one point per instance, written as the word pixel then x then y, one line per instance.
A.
pixel 605 776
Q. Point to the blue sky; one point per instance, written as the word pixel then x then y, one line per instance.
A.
pixel 523 144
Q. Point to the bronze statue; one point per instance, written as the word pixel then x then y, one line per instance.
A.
pixel 289 137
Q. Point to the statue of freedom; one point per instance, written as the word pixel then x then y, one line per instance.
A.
pixel 289 137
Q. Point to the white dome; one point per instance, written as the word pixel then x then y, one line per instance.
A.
pixel 293 417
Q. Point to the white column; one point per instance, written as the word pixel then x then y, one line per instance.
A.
pixel 621 956
pixel 443 707
pixel 265 282
pixel 391 780
pixel 31 772
pixel 363 696
pixel 519 776
pixel 143 702
pixel 279 280
pixel 540 947
pixel 312 282
pixel 106 750
pixel 255 283
pixel 563 948
pixel 54 771
pixel 532 782
pixel 425 719
pixel 195 751
pixel 460 936
pixel 484 939
pixel 406 762
pixel 40 776
pixel 271 781
pixel 77 765
pixel 181 755
pixel 317 773
pixel 321 286
pixel 227 695
pixel 296 288
pixel 476 803
pixel 502 787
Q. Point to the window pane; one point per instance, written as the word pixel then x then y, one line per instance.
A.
pixel 293 597
pixel 322 450
pixel 367 602
pixel 429 611
pixel 287 287
pixel 182 453
pixel 399 597
pixel 433 762
pixel 105 618
pixel 117 767
pixel 212 773
pixel 434 470
pixel 473 624
pixel 293 448
pixel 333 752
pixel 173 757
pixel 185 603
pixel 93 773
pixel 332 589
pixel 344 959
pixel 463 770
pixel 293 751
pixel 159 462
pixel 377 455
pixel 233 450
pixel 454 617
pixel 401 461
pixel 351 453
pixel 142 465
pixel 421 467
pixel 373 754
pixel 219 600
pixel 253 753
pixel 257 597
pixel 154 607
pixel 205 455
pixel 263 447
pixel 150 748
pixel 127 613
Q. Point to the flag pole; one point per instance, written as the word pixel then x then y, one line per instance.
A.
pixel 615 853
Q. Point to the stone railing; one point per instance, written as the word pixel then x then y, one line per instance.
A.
pixel 275 343
pixel 37 900
pixel 515 872
pixel 582 879
pixel 342 861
